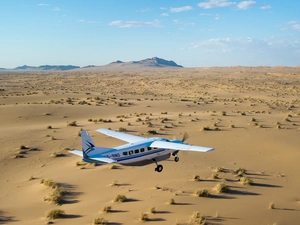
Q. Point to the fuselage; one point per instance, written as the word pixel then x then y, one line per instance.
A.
pixel 139 153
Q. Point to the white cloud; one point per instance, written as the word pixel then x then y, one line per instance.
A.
pixel 181 9
pixel 182 23
pixel 217 17
pixel 215 3
pixel 247 51
pixel 56 9
pixel 131 24
pixel 144 10
pixel 43 4
pixel 164 14
pixel 265 7
pixel 81 21
pixel 246 4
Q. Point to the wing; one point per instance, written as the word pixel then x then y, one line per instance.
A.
pixel 178 146
pixel 122 136
pixel 99 159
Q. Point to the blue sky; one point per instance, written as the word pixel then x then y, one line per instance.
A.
pixel 191 33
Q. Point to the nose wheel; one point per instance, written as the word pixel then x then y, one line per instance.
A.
pixel 158 167
pixel 176 159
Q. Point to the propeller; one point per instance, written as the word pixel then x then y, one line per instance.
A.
pixel 185 137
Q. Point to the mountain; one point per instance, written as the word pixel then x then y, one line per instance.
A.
pixel 154 62
pixel 43 68
pixel 25 67
pixel 48 67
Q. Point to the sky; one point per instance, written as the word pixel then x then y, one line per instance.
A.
pixel 193 33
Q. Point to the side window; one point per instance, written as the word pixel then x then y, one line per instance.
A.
pixel 125 153
pixel 136 151
pixel 142 149
pixel 149 148
pixel 131 152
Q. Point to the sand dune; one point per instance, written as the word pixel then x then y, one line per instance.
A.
pixel 250 115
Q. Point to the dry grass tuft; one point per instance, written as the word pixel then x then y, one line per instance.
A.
pixel 240 172
pixel 120 198
pixel 271 205
pixel 221 187
pixel 171 201
pixel 107 209
pixel 197 218
pixel 246 180
pixel 152 210
pixel 202 193
pixel 55 214
pixel 144 217
pixel 99 221
pixel 196 178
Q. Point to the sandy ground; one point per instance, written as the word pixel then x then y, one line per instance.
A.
pixel 251 116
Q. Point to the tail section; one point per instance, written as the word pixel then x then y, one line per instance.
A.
pixel 90 152
pixel 87 143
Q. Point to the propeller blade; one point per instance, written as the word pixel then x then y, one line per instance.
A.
pixel 185 136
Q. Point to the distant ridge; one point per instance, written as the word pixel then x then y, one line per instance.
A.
pixel 149 62
pixel 42 68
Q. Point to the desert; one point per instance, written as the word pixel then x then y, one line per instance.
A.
pixel 250 115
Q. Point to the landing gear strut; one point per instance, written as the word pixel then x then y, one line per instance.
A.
pixel 158 167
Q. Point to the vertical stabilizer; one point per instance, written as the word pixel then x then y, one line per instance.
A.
pixel 87 143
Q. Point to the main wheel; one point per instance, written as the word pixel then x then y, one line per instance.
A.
pixel 176 159
pixel 159 168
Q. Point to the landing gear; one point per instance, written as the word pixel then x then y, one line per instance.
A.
pixel 159 167
pixel 176 159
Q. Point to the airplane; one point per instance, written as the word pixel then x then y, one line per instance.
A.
pixel 138 151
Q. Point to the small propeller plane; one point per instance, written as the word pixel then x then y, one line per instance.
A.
pixel 138 151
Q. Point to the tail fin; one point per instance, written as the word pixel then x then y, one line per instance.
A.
pixel 87 143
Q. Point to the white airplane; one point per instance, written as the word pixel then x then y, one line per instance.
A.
pixel 139 150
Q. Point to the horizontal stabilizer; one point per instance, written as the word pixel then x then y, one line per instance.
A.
pixel 77 152
pixel 103 159
pixel 179 146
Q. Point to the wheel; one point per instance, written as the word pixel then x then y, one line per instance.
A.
pixel 159 168
pixel 176 159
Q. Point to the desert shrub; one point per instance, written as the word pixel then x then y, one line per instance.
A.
pixel 72 124
pixel 49 183
pixel 106 209
pixel 114 183
pixel 206 128
pixel 23 147
pixel 201 193
pixel 171 201
pixel 240 171
pixel 144 217
pixel 221 187
pixel 99 221
pixel 196 178
pixel 49 127
pixel 246 180
pixel 152 132
pixel 120 198
pixel 215 176
pixel 152 210
pixel 196 218
pixel 272 205
pixel 220 170
pixel 55 214
pixel 122 129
